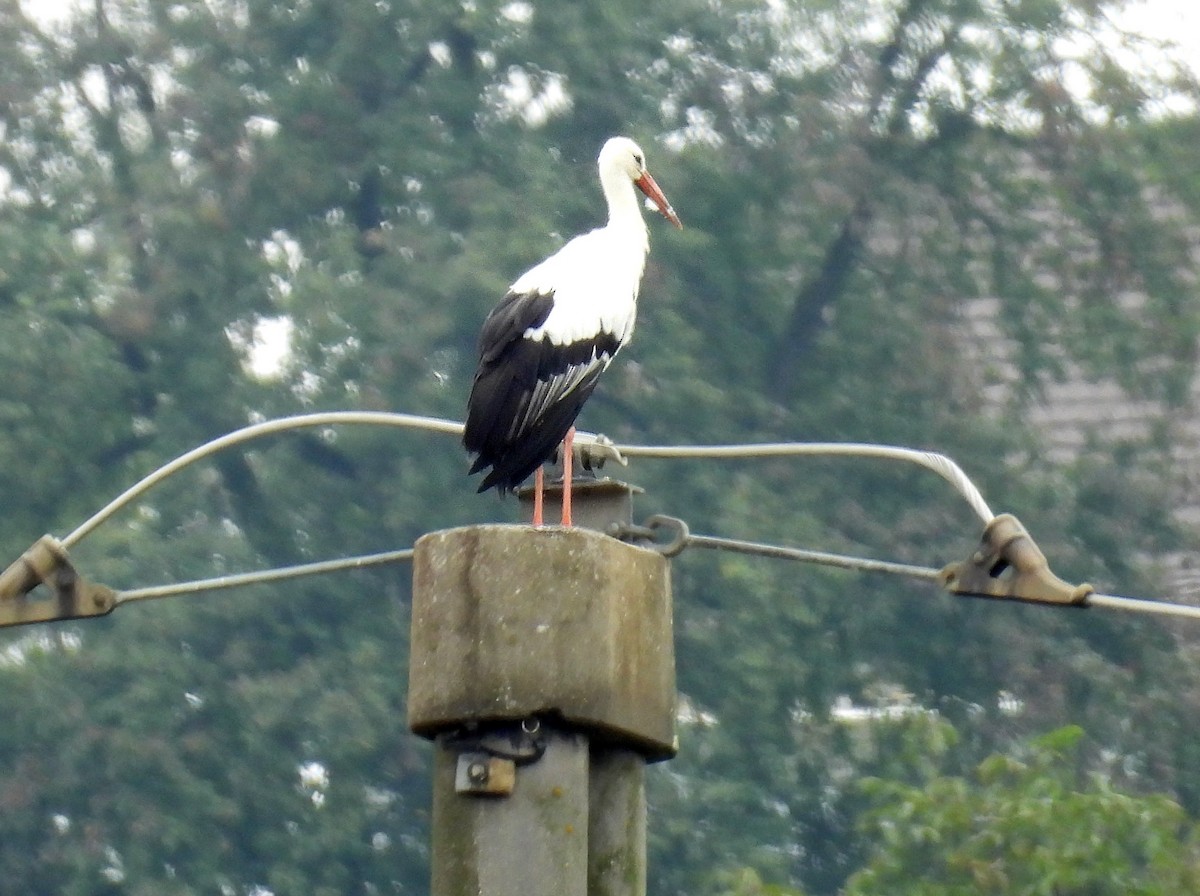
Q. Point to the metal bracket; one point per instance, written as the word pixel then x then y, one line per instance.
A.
pixel 71 597
pixel 592 450
pixel 1010 566
pixel 488 757
pixel 484 775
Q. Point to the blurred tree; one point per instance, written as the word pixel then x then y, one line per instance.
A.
pixel 177 180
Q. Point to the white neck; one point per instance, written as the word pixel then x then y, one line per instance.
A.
pixel 624 211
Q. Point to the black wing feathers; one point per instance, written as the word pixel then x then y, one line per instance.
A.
pixel 515 314
pixel 527 393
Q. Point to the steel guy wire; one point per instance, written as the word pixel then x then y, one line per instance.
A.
pixel 277 574
pixel 683 538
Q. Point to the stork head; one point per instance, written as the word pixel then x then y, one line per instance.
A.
pixel 622 156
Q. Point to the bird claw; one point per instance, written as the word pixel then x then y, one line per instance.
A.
pixel 592 450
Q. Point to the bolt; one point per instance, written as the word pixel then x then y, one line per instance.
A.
pixel 477 773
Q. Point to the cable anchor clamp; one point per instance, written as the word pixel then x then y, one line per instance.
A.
pixel 1009 565
pixel 71 596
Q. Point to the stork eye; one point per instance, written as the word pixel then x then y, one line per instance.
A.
pixel 640 161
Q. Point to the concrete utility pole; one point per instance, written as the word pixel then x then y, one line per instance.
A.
pixel 542 667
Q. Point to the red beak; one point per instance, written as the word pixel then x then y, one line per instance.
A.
pixel 647 185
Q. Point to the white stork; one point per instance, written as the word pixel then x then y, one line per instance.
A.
pixel 555 331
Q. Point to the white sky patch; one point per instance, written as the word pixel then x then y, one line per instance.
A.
pixel 1009 704
pixel 114 869
pixel 314 780
pixel 1172 23
pixel 281 250
pixel 534 103
pixel 844 710
pixel 95 87
pixel 83 240
pixel 700 129
pixel 519 13
pixel 439 51
pixel 1177 21
pixel 51 12
pixel 313 775
pixel 1153 41
pixel 271 346
pixel 17 653
pixel 264 344
pixel 261 126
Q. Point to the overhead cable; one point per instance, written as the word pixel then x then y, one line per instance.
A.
pixel 937 463
pixel 255 431
pixel 603 448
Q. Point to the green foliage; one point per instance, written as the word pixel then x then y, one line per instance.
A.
pixel 746 882
pixel 1026 823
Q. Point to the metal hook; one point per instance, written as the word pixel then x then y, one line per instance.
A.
pixel 679 540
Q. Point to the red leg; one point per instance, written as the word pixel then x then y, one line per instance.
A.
pixel 537 497
pixel 568 458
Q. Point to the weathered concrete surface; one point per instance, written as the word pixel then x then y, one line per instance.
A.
pixel 616 824
pixel 510 621
pixel 530 843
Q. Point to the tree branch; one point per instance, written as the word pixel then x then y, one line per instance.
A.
pixel 815 297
